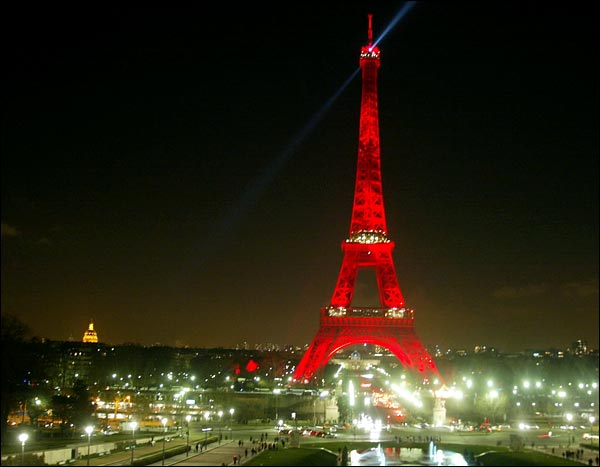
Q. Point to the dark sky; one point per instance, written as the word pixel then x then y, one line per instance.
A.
pixel 177 174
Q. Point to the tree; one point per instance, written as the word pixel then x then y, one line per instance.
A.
pixel 81 404
pixel 491 407
pixel 343 407
pixel 15 367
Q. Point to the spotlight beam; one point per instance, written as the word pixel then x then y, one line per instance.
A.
pixel 258 186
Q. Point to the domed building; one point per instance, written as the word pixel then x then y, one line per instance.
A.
pixel 90 336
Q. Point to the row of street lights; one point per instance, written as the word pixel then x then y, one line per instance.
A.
pixel 23 437
pixel 89 429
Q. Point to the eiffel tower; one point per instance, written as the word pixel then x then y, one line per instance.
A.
pixel 391 324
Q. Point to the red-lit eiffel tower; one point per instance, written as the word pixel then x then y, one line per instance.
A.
pixel 391 324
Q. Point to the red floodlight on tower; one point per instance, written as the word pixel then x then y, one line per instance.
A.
pixel 391 324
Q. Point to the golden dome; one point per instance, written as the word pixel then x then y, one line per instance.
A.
pixel 90 336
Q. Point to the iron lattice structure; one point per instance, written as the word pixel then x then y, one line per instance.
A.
pixel 392 324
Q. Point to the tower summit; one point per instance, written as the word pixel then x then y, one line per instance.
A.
pixel 389 325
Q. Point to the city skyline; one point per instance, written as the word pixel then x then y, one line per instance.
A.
pixel 186 175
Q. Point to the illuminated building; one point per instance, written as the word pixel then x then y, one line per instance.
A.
pixel 90 336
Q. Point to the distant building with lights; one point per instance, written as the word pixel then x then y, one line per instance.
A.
pixel 579 347
pixel 90 336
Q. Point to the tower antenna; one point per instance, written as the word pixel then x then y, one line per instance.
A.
pixel 370 30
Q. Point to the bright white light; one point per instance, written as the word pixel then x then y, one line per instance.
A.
pixel 407 395
pixel 375 431
pixel 24 437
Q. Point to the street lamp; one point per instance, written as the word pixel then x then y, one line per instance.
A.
pixel 164 422
pixel 276 392
pixel 187 444
pixel 88 430
pixel 295 421
pixel 206 429
pixel 133 427
pixel 23 437
pixel 220 414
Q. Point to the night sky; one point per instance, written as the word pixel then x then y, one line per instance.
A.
pixel 183 176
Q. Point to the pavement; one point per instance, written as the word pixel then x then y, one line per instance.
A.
pixel 215 454
pixel 585 454
pixel 223 453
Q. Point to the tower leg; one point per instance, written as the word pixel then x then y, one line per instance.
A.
pixel 344 289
